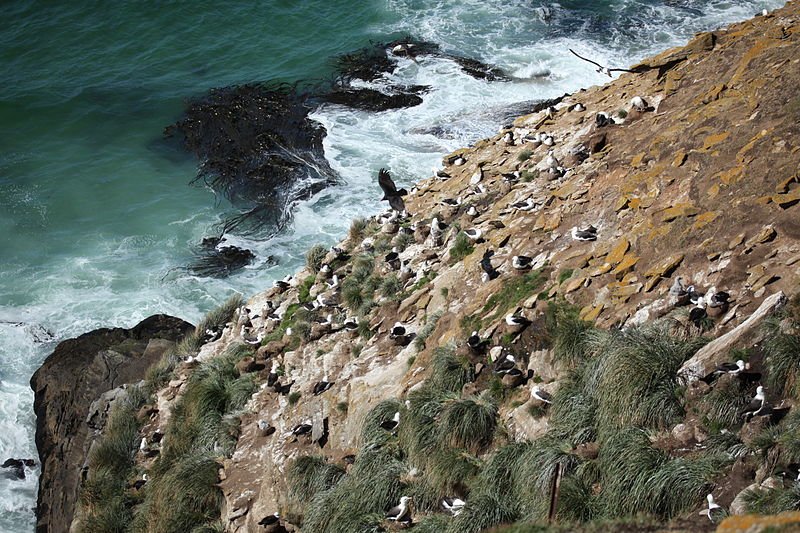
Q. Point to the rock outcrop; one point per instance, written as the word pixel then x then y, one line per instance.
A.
pixel 70 379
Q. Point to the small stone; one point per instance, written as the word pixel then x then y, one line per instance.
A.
pixel 766 234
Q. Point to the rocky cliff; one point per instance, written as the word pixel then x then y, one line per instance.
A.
pixel 71 380
pixel 565 306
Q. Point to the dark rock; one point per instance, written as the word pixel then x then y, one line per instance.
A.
pixel 67 383
pixel 222 261
pixel 370 99
pixel 247 365
pixel 16 467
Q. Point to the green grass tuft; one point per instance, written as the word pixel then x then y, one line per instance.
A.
pixel 524 155
pixel 357 229
pixel 309 475
pixel 449 371
pixel 462 247
pixel 468 423
pixel 781 354
pixel 427 329
pixel 315 256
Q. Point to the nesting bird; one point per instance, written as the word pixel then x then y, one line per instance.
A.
pixel 541 395
pixel 302 429
pixel 603 119
pixel 454 506
pixel 473 234
pixel 639 104
pixel 587 234
pixel 322 386
pixel 489 272
pixel 757 406
pixel 714 512
pixel 265 428
pixel 400 512
pixel 521 262
pixel 391 425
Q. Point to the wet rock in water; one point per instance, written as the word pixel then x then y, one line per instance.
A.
pixel 258 148
pixel 479 69
pixel 221 261
pixel 371 100
pixel 16 467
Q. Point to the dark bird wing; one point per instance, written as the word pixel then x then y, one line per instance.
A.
pixel 754 405
pixel 585 59
pixel 620 70
pixel 386 183
pixel 394 512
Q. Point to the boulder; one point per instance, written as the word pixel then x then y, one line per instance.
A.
pixel 68 382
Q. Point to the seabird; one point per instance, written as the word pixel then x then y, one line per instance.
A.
pixel 441 175
pixel 603 119
pixel 516 321
pixel 504 363
pixel 489 272
pixel 756 406
pixel 731 368
pixel 677 288
pixel 521 262
pixel 697 315
pixel 265 428
pixel 437 227
pixel 473 234
pixel 695 297
pixel 714 511
pixel 472 212
pixel 451 202
pixel 600 68
pixel 333 282
pixel 475 343
pixel 391 425
pixel 322 386
pixel 548 140
pixel 397 330
pixel 302 429
pixel 459 161
pixel 476 177
pixel 143 444
pixel 551 160
pixel 541 395
pixel 393 259
pixel 282 389
pixel 508 138
pixel 139 483
pixel 281 284
pixel 269 520
pixel 351 323
pixel 577 107
pixel 454 506
pixel 249 339
pixel 588 234
pixel 639 103
pixel 524 205
pixel 401 512
pixel 213 333
pixel 511 177
pixel 390 191
pixel 272 377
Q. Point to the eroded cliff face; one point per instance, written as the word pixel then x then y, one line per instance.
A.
pixel 696 179
pixel 700 182
pixel 71 379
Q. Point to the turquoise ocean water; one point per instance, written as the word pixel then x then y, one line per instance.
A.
pixel 96 214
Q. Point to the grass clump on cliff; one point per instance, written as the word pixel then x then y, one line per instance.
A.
pixel 462 247
pixel 427 329
pixel 509 296
pixel 183 492
pixel 315 256
pixel 570 334
pixel 104 501
pixel 358 289
pixel 781 353
pixel 309 475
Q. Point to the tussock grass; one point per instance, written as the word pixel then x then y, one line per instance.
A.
pixel 310 475
pixel 304 290
pixel 462 247
pixel 357 229
pixel 357 502
pixel 427 329
pixel 186 496
pixel 436 523
pixel 450 470
pixel 468 423
pixel 577 502
pixel 638 478
pixel 314 257
pixel 574 410
pixel 650 394
pixel 524 155
pixel 724 403
pixel 483 511
pixel 358 289
pixel 449 371
pixel 419 429
pixel 371 431
pixel 781 355
pixel 536 468
pixel 570 335
pixel 391 287
pixel 773 501
pixel 512 293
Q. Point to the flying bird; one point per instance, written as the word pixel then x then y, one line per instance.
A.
pixel 600 68
pixel 391 192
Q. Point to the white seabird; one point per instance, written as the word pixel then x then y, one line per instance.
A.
pixel 401 512
pixel 476 177
pixel 638 103
pixel 454 506
pixel 588 234
pixel 473 234
pixel 521 262
pixel 551 160
pixel 756 406
pixel 731 368
pixel 541 395
pixel 516 320
pixel 391 425
pixel 714 512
